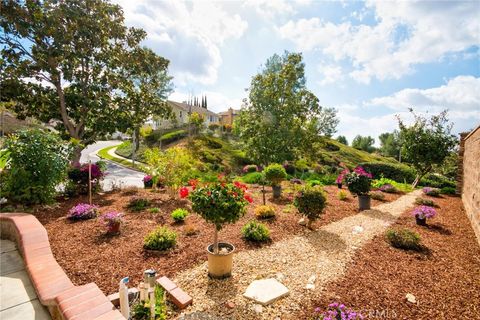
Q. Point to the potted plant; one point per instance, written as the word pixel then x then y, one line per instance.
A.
pixel 148 182
pixel 359 183
pixel 83 211
pixel 219 203
pixel 311 202
pixel 112 221
pixel 275 173
pixel 341 176
pixel 421 213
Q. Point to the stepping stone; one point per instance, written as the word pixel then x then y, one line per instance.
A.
pixel 265 291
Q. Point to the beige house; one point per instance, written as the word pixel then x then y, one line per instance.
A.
pixel 227 117
pixel 181 111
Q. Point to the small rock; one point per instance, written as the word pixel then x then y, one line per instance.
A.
pixel 302 222
pixel 310 286
pixel 257 308
pixel 411 298
pixel 280 276
pixel 357 229
pixel 230 305
pixel 284 261
pixel 312 279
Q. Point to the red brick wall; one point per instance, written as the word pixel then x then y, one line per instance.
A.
pixel 470 180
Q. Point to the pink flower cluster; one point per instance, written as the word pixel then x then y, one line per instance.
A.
pixel 112 218
pixel 337 311
pixel 82 211
pixel 423 212
pixel 360 171
pixel 97 172
pixel 341 176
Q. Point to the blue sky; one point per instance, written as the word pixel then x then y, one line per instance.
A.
pixel 369 60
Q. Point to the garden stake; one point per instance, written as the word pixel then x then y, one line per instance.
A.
pixel 90 181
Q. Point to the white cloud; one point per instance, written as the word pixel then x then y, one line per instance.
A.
pixel 217 102
pixel 268 9
pixel 459 94
pixel 331 74
pixel 406 33
pixel 189 34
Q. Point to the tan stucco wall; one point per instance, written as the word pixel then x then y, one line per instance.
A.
pixel 471 179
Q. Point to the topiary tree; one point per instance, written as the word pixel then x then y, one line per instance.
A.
pixel 275 173
pixel 310 202
pixel 38 162
pixel 426 142
pixel 195 121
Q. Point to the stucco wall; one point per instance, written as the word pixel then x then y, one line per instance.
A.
pixel 471 178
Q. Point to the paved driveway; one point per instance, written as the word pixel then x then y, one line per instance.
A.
pixel 117 175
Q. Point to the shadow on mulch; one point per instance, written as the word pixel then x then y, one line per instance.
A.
pixel 377 214
pixel 326 241
pixel 105 238
pixel 439 228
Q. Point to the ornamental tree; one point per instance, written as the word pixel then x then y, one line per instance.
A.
pixel 428 141
pixel 281 117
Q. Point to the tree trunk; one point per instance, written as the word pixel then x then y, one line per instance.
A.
pixel 263 194
pixel 215 241
pixel 77 153
pixel 419 176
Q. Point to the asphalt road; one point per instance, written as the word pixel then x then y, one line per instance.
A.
pixel 116 175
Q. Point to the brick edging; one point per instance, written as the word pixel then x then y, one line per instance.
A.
pixel 51 283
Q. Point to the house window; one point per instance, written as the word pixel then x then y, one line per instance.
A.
pixel 180 114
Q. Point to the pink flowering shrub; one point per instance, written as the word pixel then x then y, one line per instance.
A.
pixel 359 181
pixel 341 176
pixel 82 211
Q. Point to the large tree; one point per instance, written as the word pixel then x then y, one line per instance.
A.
pixel 281 117
pixel 61 60
pixel 390 144
pixel 343 140
pixel 427 142
pixel 364 143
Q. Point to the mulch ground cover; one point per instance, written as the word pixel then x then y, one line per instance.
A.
pixel 87 254
pixel 444 276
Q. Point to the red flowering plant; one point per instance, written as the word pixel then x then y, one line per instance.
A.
pixel 218 203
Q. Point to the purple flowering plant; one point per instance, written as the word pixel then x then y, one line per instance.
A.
pixel 423 212
pixel 147 178
pixel 388 188
pixel 336 311
pixel 431 191
pixel 83 211
pixel 359 181
pixel 112 218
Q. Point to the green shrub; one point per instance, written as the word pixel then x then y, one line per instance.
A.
pixel 138 204
pixel 403 239
pixel 342 195
pixel 425 202
pixel 313 183
pixel 404 187
pixel 154 210
pixel 160 239
pixel 432 192
pixel 275 173
pixel 141 309
pixel 436 181
pixel 179 214
pixel 255 231
pixel 265 212
pixel 252 178
pixel 311 201
pixel 377 196
pixel 448 190
pixel 38 162
pixel 328 179
pixel 397 172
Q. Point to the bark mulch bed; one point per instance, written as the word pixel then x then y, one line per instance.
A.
pixel 444 276
pixel 88 255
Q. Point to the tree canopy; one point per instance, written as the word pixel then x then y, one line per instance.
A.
pixel 281 116
pixel 364 143
pixel 76 62
pixel 342 139
pixel 390 144
pixel 428 141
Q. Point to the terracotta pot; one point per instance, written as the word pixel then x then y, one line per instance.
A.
pixel 113 229
pixel 277 191
pixel 364 203
pixel 220 265
pixel 420 221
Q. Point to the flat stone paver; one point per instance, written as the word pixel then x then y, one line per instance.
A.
pixel 18 299
pixel 265 291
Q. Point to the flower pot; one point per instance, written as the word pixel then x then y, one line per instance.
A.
pixel 339 185
pixel 364 203
pixel 220 265
pixel 421 221
pixel 147 184
pixel 277 191
pixel 113 228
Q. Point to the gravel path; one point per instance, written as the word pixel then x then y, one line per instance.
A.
pixel 305 264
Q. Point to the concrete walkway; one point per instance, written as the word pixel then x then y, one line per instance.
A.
pixel 17 295
pixel 118 176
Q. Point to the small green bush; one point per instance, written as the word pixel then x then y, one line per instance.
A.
pixel 160 239
pixel 154 210
pixel 252 178
pixel 436 181
pixel 377 196
pixel 425 202
pixel 313 183
pixel 138 204
pixel 311 201
pixel 255 231
pixel 403 239
pixel 397 172
pixel 342 195
pixel 179 214
pixel 275 173
pixel 448 190
pixel 265 212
